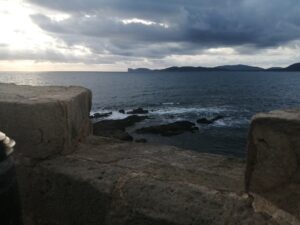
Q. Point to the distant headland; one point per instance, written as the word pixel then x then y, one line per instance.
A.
pixel 293 67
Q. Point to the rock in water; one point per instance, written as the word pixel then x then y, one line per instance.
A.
pixel 138 111
pixel 209 120
pixel 100 115
pixel 122 111
pixel 116 128
pixel 170 129
pixel 131 120
pixel 219 117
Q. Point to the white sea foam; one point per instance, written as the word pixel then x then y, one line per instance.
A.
pixel 220 123
pixel 184 110
pixel 172 113
pixel 114 116
pixel 231 122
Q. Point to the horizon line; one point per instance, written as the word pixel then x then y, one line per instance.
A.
pixel 126 71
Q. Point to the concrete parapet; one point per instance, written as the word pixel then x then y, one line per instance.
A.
pixel 44 121
pixel 112 182
pixel 273 164
pixel 108 182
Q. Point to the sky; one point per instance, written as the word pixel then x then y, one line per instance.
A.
pixel 113 35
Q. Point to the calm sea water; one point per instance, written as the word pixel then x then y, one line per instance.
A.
pixel 184 96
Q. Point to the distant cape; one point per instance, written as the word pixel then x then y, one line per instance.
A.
pixel 294 67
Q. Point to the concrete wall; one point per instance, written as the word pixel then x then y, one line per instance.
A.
pixel 67 178
pixel 273 163
pixel 44 120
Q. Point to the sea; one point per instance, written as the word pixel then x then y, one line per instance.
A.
pixel 176 96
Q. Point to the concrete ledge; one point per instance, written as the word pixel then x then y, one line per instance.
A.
pixel 110 182
pixel 273 169
pixel 44 120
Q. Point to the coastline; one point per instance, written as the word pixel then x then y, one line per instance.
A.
pixel 173 97
pixel 199 139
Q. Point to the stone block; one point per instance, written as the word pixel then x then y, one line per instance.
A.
pixel 44 120
pixel 273 150
pixel 273 171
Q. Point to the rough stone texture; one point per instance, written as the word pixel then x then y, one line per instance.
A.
pixel 44 120
pixel 110 182
pixel 273 169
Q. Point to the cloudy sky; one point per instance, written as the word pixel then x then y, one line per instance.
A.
pixel 117 34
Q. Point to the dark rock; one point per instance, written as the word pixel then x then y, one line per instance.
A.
pixel 219 117
pixel 170 129
pixel 100 115
pixel 131 120
pixel 122 111
pixel 204 121
pixel 120 124
pixel 116 128
pixel 138 111
pixel 141 140
pixel 209 120
pixel 113 133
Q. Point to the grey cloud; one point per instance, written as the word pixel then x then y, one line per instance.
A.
pixel 45 55
pixel 103 27
pixel 50 55
pixel 193 25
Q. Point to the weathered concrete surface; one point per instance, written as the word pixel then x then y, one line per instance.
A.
pixel 110 182
pixel 44 120
pixel 273 169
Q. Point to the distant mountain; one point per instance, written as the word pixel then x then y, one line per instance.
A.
pixel 274 69
pixel 239 68
pixel 294 67
pixel 199 68
pixel 184 69
pixel 139 70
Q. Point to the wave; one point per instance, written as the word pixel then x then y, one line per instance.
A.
pixel 189 110
pixel 114 116
pixel 231 122
pixel 170 113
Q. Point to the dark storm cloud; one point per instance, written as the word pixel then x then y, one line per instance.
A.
pixel 176 27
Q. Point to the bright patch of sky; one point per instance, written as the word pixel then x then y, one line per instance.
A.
pixel 144 22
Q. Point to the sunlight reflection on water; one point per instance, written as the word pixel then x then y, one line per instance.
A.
pixel 35 79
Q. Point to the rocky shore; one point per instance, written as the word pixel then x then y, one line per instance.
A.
pixel 170 129
pixel 117 128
